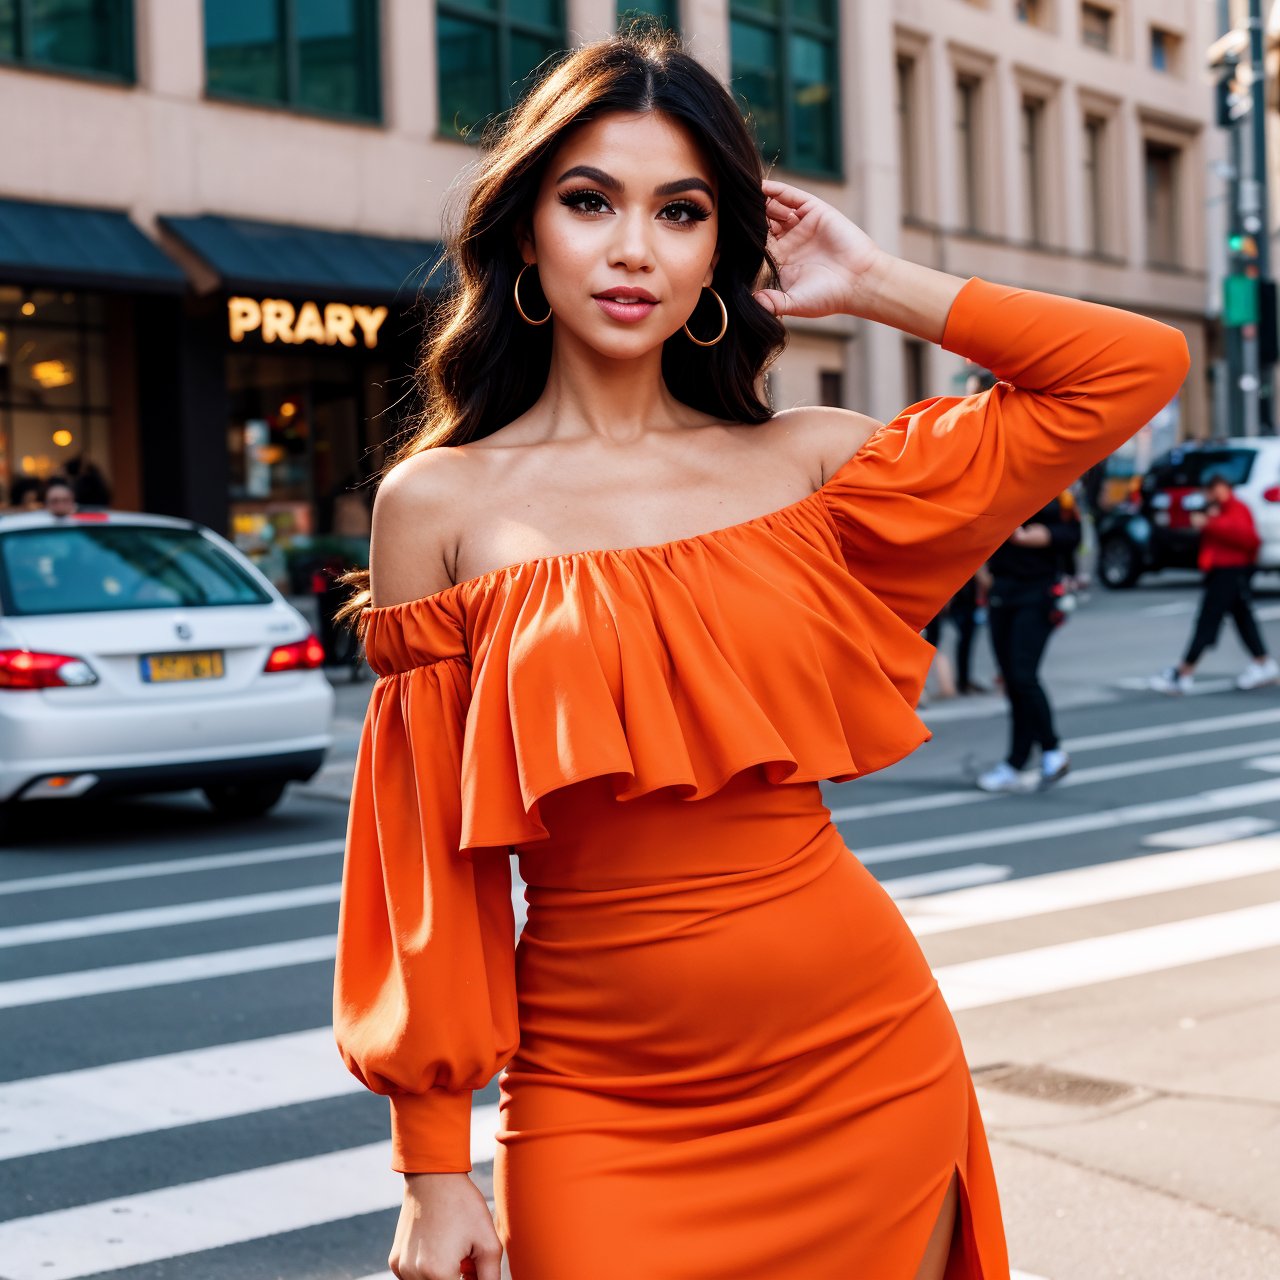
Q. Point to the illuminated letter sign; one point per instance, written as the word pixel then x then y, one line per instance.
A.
pixel 275 320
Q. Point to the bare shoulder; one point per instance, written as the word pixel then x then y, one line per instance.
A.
pixel 822 437
pixel 416 517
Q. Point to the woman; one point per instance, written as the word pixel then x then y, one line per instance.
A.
pixel 625 620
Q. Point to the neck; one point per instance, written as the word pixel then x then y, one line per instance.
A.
pixel 616 401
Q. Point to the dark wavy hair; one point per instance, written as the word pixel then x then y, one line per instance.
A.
pixel 481 366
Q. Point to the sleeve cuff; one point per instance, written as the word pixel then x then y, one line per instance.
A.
pixel 962 333
pixel 431 1132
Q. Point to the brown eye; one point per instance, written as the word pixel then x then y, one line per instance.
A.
pixel 686 212
pixel 585 201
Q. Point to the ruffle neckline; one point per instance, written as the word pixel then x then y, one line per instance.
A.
pixel 465 585
pixel 672 665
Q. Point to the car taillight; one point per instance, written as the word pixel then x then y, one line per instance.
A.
pixel 1272 494
pixel 22 669
pixel 301 655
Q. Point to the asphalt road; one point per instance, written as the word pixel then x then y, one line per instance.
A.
pixel 171 1103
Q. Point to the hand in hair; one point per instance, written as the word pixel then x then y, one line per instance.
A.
pixel 445 1230
pixel 820 254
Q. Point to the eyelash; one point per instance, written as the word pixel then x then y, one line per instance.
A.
pixel 695 211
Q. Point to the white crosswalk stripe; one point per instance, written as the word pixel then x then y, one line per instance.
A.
pixel 233 1082
pixel 155 973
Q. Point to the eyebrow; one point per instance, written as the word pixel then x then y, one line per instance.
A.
pixel 611 183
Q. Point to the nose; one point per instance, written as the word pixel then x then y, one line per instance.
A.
pixel 631 247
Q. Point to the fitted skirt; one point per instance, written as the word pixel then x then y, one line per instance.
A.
pixel 734 1060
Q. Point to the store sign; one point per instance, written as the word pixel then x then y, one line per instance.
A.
pixel 275 320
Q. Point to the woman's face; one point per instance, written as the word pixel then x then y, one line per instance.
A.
pixel 624 233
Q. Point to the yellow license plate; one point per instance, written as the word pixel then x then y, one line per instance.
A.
pixel 158 667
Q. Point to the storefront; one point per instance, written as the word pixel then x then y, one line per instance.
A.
pixel 317 334
pixel 70 279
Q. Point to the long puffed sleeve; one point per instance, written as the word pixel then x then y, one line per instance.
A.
pixel 424 1005
pixel 935 491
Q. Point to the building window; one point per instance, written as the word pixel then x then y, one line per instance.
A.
pixel 908 138
pixel 313 57
pixel 485 55
pixel 1161 163
pixel 1165 47
pixel 1096 26
pixel 969 175
pixel 1095 133
pixel 54 396
pixel 90 36
pixel 831 387
pixel 1032 12
pixel 664 13
pixel 1033 168
pixel 784 66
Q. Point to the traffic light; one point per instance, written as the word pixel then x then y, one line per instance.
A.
pixel 1242 245
pixel 1239 300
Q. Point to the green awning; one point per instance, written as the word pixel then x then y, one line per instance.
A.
pixel 274 257
pixel 70 246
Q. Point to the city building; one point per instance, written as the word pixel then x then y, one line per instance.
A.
pixel 218 218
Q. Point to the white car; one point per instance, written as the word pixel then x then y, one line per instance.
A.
pixel 1152 529
pixel 142 653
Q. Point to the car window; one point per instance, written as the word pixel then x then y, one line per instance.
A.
pixel 107 568
pixel 1186 468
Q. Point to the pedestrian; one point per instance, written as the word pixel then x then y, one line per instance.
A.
pixel 1228 553
pixel 87 481
pixel 962 612
pixel 625 620
pixel 1022 612
pixel 59 497
pixel 26 493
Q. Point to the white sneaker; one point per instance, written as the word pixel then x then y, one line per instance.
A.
pixel 1054 764
pixel 1258 673
pixel 1002 777
pixel 1169 681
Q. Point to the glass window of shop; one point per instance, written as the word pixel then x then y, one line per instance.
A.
pixel 317 56
pixel 90 37
pixel 485 53
pixel 784 68
pixel 53 385
pixel 298 440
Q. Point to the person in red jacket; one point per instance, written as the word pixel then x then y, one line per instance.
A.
pixel 1229 545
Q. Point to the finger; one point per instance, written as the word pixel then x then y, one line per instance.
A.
pixel 776 208
pixel 785 194
pixel 488 1262
pixel 774 301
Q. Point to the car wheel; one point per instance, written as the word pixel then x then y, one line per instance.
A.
pixel 244 799
pixel 1118 564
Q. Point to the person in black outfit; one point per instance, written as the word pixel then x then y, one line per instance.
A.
pixel 1022 614
pixel 961 611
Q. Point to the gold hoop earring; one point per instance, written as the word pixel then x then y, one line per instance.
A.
pixel 724 321
pixel 516 294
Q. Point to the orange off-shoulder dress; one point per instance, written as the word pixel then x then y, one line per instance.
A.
pixel 724 1053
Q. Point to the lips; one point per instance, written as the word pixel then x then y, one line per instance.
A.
pixel 626 293
pixel 627 305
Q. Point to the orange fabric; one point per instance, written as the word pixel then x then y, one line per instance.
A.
pixel 724 1052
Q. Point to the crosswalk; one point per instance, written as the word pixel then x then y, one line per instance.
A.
pixel 243 1213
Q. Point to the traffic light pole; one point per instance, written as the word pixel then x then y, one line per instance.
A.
pixel 1257 222
pixel 1249 294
